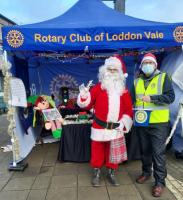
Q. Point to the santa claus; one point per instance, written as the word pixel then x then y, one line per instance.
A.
pixel 112 107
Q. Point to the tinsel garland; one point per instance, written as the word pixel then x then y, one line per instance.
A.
pixel 70 57
pixel 5 67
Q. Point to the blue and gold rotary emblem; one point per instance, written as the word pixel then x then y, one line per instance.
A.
pixel 178 34
pixel 141 116
pixel 15 38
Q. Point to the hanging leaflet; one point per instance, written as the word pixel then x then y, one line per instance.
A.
pixel 17 93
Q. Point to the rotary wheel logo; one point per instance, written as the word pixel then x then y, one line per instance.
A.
pixel 141 116
pixel 15 38
pixel 64 81
pixel 153 86
pixel 178 34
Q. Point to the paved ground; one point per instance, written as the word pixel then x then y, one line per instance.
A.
pixel 47 179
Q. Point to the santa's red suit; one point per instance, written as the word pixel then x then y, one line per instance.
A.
pixel 108 107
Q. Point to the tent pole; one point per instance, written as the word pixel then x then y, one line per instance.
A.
pixel 119 5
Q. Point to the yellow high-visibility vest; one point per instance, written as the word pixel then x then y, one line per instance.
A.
pixel 159 113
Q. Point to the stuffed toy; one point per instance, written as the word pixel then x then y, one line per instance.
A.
pixel 41 103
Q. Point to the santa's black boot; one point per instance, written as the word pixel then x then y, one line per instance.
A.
pixel 112 178
pixel 96 177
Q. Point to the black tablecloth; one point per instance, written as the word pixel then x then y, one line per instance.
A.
pixel 75 143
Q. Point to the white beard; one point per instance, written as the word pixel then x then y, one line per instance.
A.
pixel 113 83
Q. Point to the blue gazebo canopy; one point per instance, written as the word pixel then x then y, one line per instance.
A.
pixel 92 24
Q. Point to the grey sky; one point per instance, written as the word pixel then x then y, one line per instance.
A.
pixel 156 10
pixel 31 11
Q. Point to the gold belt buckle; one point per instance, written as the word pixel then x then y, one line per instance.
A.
pixel 109 127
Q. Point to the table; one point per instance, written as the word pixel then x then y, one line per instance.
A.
pixel 75 143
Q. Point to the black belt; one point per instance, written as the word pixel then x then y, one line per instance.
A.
pixel 106 125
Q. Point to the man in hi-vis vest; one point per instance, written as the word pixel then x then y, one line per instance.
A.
pixel 152 94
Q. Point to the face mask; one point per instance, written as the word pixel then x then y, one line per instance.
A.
pixel 148 69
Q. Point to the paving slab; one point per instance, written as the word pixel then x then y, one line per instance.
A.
pixel 3 182
pixel 29 172
pixel 46 171
pixel 14 195
pixel 66 168
pixel 63 181
pixel 91 193
pixel 19 184
pixel 37 195
pixel 42 182
pixel 5 173
pixel 62 194
pixel 4 163
pixel 84 168
pixel 35 160
pixel 123 190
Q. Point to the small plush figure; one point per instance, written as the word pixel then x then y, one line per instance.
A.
pixel 43 103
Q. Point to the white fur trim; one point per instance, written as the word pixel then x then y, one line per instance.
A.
pixel 127 121
pixel 149 58
pixel 113 62
pixel 105 134
pixel 85 103
pixel 113 106
pixel 125 75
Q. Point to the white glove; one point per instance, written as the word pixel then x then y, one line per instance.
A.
pixel 84 91
pixel 120 127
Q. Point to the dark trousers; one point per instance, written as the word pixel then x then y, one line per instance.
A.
pixel 152 145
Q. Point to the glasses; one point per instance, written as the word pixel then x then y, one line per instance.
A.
pixel 148 62
pixel 112 70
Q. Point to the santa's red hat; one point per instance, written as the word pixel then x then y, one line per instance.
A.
pixel 149 56
pixel 117 62
pixel 122 64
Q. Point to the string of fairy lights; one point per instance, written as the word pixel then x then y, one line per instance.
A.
pixel 71 57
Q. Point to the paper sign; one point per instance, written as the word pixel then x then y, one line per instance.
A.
pixel 51 114
pixel 17 93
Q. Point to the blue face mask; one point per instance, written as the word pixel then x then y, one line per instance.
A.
pixel 148 69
